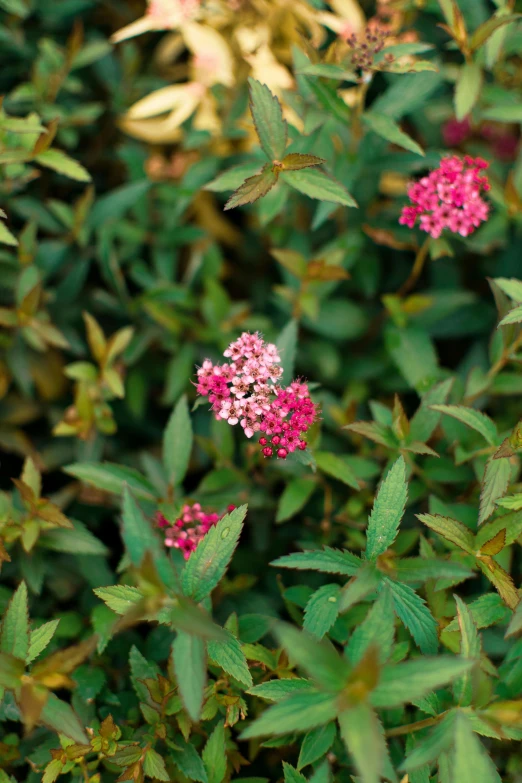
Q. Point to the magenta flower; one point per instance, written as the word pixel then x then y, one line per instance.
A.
pixel 449 197
pixel 454 132
pixel 246 391
pixel 187 531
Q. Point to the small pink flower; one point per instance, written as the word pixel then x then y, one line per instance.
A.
pixel 450 197
pixel 456 131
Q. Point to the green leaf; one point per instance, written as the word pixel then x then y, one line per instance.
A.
pixel 77 541
pixel 214 754
pixel 486 610
pixel 469 649
pixel 485 30
pixel 277 690
pixel 471 763
pixel 63 164
pixel 316 744
pixel 287 346
pixel 137 533
pixel 322 610
pixel 516 621
pixel 291 775
pixel 11 671
pixel 59 716
pixel 406 94
pixel 154 766
pixel 327 560
pixel 300 712
pixel 422 676
pixel 140 670
pixel 438 740
pixel 188 761
pixel 384 126
pixel 411 609
pixel 477 420
pixel 387 512
pixel 494 485
pixel 6 238
pixel 209 562
pixel 227 653
pixel 376 630
pixel 113 206
pixel 467 89
pixel 318 658
pixel 295 496
pixel 267 114
pixel 335 466
pixel 177 443
pixel 420 569
pixel 296 161
pixel 365 582
pixel 112 478
pixel 425 419
pixel 232 178
pixel 513 317
pixel 412 350
pixel 185 615
pixel 316 184
pixel 120 598
pixel 14 633
pixel 253 188
pixel 40 638
pixel 190 667
pixel 511 286
pixel 450 529
pixel 364 739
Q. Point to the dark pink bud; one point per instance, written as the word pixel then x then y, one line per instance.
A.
pixel 230 508
pixel 276 440
pixel 267 451
pixel 301 445
pixel 263 441
pixel 282 453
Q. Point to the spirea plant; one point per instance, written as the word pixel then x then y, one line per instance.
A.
pixel 260 391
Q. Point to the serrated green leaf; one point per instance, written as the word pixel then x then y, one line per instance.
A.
pixel 322 610
pixel 364 740
pixel 141 669
pixel 316 744
pixel 467 89
pixel 469 649
pixel 227 653
pixel 300 712
pixel 335 466
pixel 422 675
pixel 486 610
pixel 318 658
pixel 411 609
pixel 513 317
pixel 438 740
pixel 291 774
pixel 450 529
pixel 278 690
pixel 327 560
pixel 485 30
pixel 154 766
pixel 59 716
pixel 232 178
pixel 413 352
pixel 190 667
pixel 112 478
pixel 296 161
pixel 471 762
pixel 516 621
pixel 11 671
pixel 137 533
pixel 384 126
pixel 317 184
pixel 365 582
pixel 63 164
pixel 40 638
pixel 214 754
pixel 119 598
pixel 295 496
pixel 477 420
pixel 14 632
pixel 377 630
pixel 511 287
pixel 177 442
pixel 494 485
pixel 387 512
pixel 208 563
pixel 268 119
pixel 253 188
pixel 77 540
pixel 188 761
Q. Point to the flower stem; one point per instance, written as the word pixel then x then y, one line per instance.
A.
pixel 418 266
pixel 409 728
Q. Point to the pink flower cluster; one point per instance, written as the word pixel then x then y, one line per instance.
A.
pixel 449 197
pixel 246 391
pixel 187 531
pixel 503 142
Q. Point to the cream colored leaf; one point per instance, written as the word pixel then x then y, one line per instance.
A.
pixel 179 97
pixel 143 25
pixel 213 61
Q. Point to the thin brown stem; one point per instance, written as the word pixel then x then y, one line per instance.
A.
pixel 416 270
pixel 417 726
pixel 358 109
pixel 498 366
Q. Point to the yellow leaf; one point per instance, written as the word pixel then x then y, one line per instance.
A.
pixel 213 61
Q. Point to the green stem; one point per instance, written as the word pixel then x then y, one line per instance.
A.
pixel 418 266
pixel 417 726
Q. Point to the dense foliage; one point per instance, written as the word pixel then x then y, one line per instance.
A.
pixel 260 382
